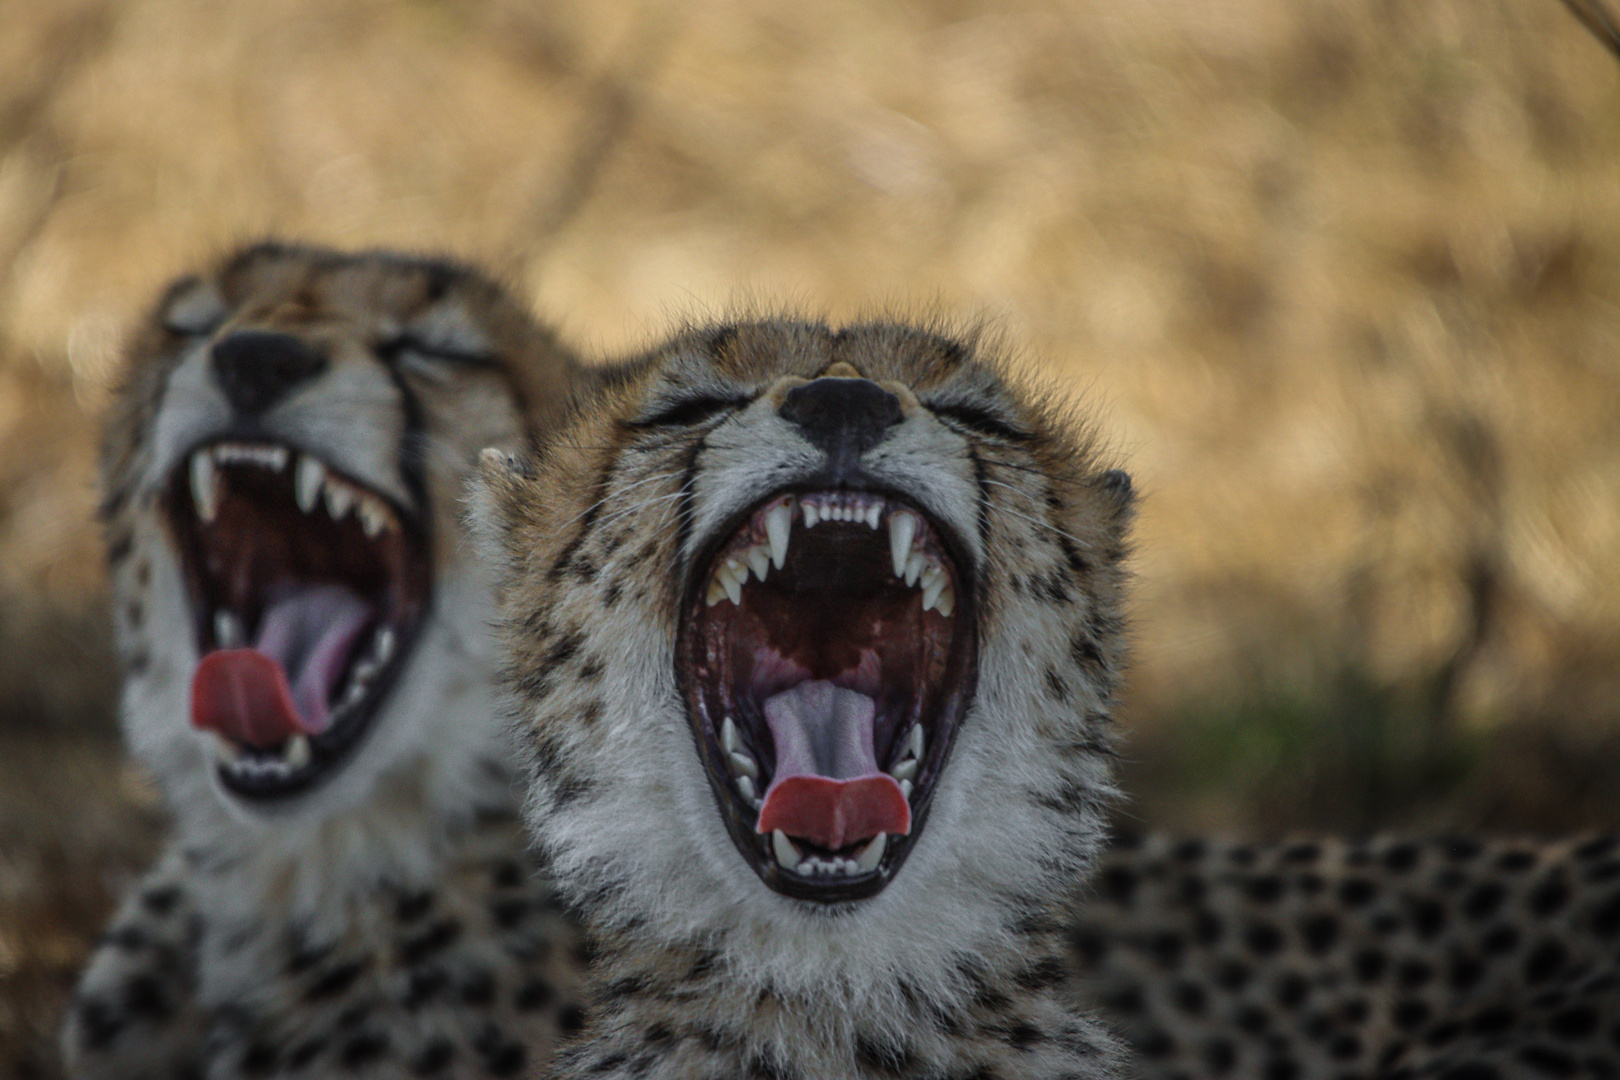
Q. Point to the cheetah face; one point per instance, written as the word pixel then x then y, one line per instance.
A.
pixel 830 617
pixel 827 650
pixel 287 463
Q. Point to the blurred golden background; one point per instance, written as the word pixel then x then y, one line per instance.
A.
pixel 1340 276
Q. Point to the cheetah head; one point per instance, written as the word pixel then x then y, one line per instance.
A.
pixel 282 474
pixel 806 624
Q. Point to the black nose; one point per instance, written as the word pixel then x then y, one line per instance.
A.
pixel 257 369
pixel 845 417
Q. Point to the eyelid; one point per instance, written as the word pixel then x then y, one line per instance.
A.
pixel 689 411
pixel 979 420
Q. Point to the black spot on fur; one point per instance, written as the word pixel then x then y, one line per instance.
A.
pixel 100 1023
pixel 1606 917
pixel 1055 686
pixel 1596 849
pixel 1401 858
pixel 362 1050
pixel 502 1056
pixel 1265 889
pixel 508 875
pixel 1232 975
pixel 413 950
pixel 509 912
pixel 305 1052
pixel 1575 1022
pixel 478 988
pixel 335 981
pixel 1263 939
pixel 1548 1060
pixel 423 985
pixel 144 998
pixel 1504 939
pixel 435 1057
pixel 1411 974
pixel 413 906
pixel 1549 897
pixel 1428 918
pixel 1302 853
pixel 1410 1014
pixel 259 1058
pixel 1292 990
pixel 160 902
pixel 1483 900
pixel 1320 932
pixel 1544 961
pixel 571 1019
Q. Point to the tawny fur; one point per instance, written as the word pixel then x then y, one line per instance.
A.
pixel 956 968
pixel 389 922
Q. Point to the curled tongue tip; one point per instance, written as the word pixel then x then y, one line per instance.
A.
pixel 828 789
pixel 244 695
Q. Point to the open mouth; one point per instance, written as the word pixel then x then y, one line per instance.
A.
pixel 827 654
pixel 307 589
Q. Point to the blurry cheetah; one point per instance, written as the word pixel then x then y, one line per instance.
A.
pixel 308 673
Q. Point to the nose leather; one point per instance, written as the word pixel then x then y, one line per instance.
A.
pixel 256 368
pixel 844 417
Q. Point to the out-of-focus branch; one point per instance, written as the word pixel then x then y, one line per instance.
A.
pixel 1595 16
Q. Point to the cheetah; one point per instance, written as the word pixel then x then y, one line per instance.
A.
pixel 308 674
pixel 812 638
pixel 1394 958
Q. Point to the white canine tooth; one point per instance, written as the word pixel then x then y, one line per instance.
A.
pixel 204 485
pixel 339 498
pixel 902 528
pixel 716 593
pixel 373 515
pixel 914 742
pixel 228 632
pixel 728 581
pixel 307 481
pixel 914 568
pixel 297 751
pixel 812 517
pixel 778 526
pixel 225 751
pixel 874 516
pixel 946 602
pixel 869 858
pixel 786 854
pixel 728 736
pixel 383 649
pixel 745 785
pixel 905 788
pixel 933 590
pixel 759 561
pixel 743 765
pixel 906 770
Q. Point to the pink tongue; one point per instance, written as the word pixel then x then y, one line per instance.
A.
pixel 245 695
pixel 828 789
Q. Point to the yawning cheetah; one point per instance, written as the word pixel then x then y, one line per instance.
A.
pixel 308 673
pixel 813 636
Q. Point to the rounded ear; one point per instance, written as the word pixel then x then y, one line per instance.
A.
pixel 1116 484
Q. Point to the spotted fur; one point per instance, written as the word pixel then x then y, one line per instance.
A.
pixel 1394 958
pixel 956 968
pixel 391 921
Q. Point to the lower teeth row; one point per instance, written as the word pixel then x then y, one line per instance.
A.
pixel 789 857
pixel 295 753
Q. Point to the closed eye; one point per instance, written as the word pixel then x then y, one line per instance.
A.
pixel 689 411
pixel 410 345
pixel 981 421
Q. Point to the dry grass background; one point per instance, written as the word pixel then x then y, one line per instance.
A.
pixel 1340 275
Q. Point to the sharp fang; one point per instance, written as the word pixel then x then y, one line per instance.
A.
pixel 905 788
pixel 914 742
pixel 225 751
pixel 902 528
pixel 743 765
pixel 297 751
pixel 914 568
pixel 228 632
pixel 204 485
pixel 874 516
pixel 786 854
pixel 307 481
pixel 906 770
pixel 778 526
pixel 869 858
pixel 716 593
pixel 339 499
pixel 728 736
pixel 729 583
pixel 811 517
pixel 373 515
pixel 946 602
pixel 746 786
pixel 932 591
pixel 759 561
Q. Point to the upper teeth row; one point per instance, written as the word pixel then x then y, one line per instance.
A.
pixel 917 568
pixel 310 483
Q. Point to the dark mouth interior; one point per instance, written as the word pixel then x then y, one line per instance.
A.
pixel 825 695
pixel 307 589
